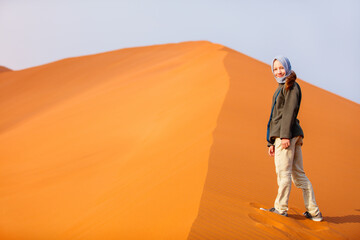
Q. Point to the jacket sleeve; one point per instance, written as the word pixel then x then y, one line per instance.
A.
pixel 290 111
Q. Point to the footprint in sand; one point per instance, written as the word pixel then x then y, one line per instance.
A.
pixel 297 214
pixel 296 226
pixel 295 219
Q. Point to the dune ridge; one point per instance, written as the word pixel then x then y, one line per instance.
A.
pixel 164 142
pixel 241 177
pixel 109 146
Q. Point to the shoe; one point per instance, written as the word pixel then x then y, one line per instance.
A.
pixel 317 218
pixel 275 211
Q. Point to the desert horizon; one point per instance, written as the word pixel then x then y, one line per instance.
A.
pixel 166 142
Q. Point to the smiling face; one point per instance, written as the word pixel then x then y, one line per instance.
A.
pixel 279 70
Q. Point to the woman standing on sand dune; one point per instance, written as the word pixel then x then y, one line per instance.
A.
pixel 284 136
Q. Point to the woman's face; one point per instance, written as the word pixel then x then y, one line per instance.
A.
pixel 279 70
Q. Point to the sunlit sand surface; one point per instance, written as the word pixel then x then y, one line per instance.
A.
pixel 165 142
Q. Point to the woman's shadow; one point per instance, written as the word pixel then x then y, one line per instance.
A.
pixel 333 219
pixel 344 219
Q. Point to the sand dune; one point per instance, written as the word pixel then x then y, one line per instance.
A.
pixel 165 142
pixel 4 69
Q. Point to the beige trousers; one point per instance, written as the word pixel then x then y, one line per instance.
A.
pixel 289 165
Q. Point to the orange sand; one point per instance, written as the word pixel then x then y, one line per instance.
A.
pixel 165 142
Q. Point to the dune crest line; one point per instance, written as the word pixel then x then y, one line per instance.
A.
pixel 165 142
pixel 109 146
pixel 241 176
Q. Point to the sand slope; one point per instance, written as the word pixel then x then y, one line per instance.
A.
pixel 164 142
pixel 241 177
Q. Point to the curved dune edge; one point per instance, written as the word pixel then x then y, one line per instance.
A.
pixel 241 177
pixel 109 146
pixel 165 142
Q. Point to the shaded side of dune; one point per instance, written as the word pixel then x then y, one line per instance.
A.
pixel 165 142
pixel 241 177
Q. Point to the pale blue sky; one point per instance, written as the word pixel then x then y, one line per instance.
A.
pixel 320 37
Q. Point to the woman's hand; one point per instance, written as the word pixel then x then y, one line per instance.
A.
pixel 271 151
pixel 285 143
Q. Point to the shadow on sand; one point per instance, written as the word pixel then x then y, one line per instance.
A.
pixel 336 219
pixel 343 219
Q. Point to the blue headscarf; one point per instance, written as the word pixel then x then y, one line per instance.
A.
pixel 286 63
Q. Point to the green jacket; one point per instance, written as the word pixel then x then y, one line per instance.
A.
pixel 284 122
